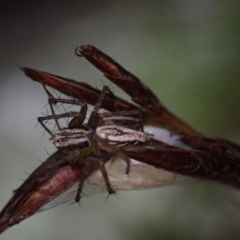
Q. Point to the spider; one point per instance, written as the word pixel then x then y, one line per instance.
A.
pixel 95 140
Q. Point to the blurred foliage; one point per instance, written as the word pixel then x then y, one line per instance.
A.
pixel 186 51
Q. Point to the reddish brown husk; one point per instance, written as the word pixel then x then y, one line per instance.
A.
pixel 78 90
pixel 194 163
pixel 212 159
pixel 153 111
pixel 138 92
pixel 43 185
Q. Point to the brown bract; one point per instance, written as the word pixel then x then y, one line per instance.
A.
pixel 207 158
pixel 43 185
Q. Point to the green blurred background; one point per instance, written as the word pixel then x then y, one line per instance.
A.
pixel 187 52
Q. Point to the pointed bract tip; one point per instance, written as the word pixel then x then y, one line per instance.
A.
pixel 22 68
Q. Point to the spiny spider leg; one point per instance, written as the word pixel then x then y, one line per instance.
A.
pixel 81 181
pixel 50 96
pixel 105 177
pixel 77 121
pixel 101 162
pixel 94 118
pixel 88 169
pixel 78 117
pixel 57 116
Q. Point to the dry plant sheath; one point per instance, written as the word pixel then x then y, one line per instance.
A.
pixel 208 158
